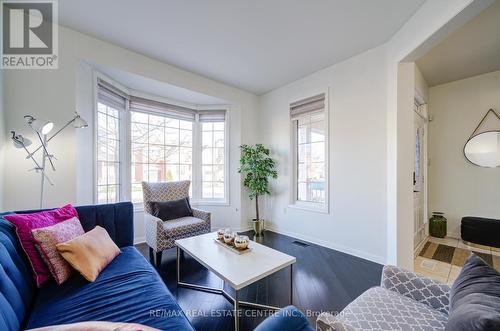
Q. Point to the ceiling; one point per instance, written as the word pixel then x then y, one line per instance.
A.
pixel 256 45
pixel 156 88
pixel 471 50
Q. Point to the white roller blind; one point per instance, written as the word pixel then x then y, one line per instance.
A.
pixel 308 105
pixel 110 96
pixel 218 115
pixel 178 112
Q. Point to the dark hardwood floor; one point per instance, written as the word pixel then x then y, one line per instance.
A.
pixel 323 280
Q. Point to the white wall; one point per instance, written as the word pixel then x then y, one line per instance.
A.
pixel 421 86
pixel 457 187
pixel 405 159
pixel 55 94
pixel 356 222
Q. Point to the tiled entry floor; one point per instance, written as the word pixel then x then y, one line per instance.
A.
pixel 443 258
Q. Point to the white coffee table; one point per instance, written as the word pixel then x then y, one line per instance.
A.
pixel 238 271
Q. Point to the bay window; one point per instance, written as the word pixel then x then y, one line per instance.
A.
pixel 162 142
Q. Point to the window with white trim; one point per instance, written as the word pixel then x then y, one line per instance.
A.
pixel 165 142
pixel 310 152
pixel 161 150
pixel 110 107
pixel 212 156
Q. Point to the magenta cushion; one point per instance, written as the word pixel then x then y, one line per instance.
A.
pixel 46 240
pixel 24 223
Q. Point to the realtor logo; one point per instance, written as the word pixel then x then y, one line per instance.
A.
pixel 29 34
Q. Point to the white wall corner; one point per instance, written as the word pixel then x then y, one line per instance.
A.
pixel 84 139
pixel 405 165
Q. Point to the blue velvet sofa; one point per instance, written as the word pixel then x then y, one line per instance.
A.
pixel 128 290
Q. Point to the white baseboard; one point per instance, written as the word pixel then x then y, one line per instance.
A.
pixel 420 246
pixel 233 229
pixel 139 240
pixel 327 244
pixel 340 248
pixel 249 228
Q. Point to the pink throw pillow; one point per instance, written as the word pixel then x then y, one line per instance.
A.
pixel 46 240
pixel 26 222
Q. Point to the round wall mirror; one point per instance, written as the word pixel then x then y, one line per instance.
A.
pixel 484 149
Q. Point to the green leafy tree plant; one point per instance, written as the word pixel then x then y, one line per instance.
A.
pixel 258 167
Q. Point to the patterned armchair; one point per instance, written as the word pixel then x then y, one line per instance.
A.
pixel 403 301
pixel 161 235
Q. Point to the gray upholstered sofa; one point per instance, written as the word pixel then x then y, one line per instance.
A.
pixel 403 301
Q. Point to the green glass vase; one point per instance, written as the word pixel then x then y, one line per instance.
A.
pixel 437 225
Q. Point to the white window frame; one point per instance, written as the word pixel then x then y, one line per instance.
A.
pixel 122 136
pixel 197 200
pixel 125 176
pixel 294 202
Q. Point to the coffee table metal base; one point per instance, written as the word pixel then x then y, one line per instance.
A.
pixel 237 303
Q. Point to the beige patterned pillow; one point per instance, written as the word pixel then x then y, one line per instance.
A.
pixel 89 253
pixel 46 240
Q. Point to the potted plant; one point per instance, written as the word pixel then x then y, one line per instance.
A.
pixel 257 167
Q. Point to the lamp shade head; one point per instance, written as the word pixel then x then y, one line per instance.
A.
pixel 46 127
pixel 79 122
pixel 41 126
pixel 19 141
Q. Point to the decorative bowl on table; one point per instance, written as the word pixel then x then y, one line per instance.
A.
pixel 220 234
pixel 241 242
pixel 229 237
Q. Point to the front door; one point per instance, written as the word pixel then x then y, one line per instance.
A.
pixel 420 174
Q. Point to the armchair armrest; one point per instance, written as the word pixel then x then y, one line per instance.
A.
pixel 153 226
pixel 201 214
pixel 422 289
pixel 329 322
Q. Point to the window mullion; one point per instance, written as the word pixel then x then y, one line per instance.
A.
pixel 295 156
pixel 165 165
pixel 309 160
pixel 107 157
pixel 197 160
pixel 213 161
pixel 148 151
pixel 125 157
